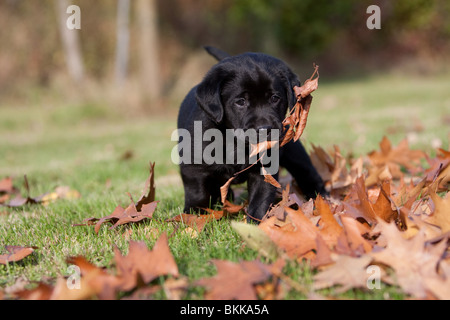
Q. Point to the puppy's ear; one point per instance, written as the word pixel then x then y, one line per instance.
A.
pixel 208 95
pixel 216 53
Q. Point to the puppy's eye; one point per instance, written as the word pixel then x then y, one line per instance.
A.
pixel 274 99
pixel 241 102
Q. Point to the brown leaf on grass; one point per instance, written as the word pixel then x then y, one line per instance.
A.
pixel 296 236
pixel 278 210
pixel 135 212
pixel 6 185
pixel 93 282
pixel 148 195
pixel 198 221
pixel 383 206
pixel 441 213
pixel 412 260
pixel 322 161
pixel 361 207
pixel 353 231
pixel 369 210
pixel 396 157
pixel 122 216
pixel 440 286
pixel 41 292
pixel 16 253
pixel 235 280
pixel 324 255
pixel 347 272
pixel 145 265
pixel 61 192
pixel 440 169
pixel 6 189
pixel 333 168
pixel 329 226
pixel 19 201
pixel 140 266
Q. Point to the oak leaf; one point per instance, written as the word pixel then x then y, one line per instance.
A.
pixel 235 280
pixel 441 213
pixel 412 260
pixel 140 263
pixel 296 236
pixel 347 272
pixel 396 157
pixel 330 229
pixel 135 212
pixel 16 253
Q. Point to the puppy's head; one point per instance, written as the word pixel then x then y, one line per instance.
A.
pixel 248 91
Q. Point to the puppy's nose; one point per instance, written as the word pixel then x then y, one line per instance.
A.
pixel 264 132
pixel 267 128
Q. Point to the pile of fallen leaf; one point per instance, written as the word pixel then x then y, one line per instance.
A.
pixel 11 197
pixel 385 211
pixel 387 219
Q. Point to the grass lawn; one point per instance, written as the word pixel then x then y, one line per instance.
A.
pixel 83 146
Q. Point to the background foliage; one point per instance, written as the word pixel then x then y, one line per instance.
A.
pixel 330 33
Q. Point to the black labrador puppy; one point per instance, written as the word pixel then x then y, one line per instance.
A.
pixel 251 91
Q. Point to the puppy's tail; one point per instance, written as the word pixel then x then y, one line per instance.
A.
pixel 216 53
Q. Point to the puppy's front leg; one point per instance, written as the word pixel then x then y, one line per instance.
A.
pixel 199 192
pixel 296 160
pixel 260 196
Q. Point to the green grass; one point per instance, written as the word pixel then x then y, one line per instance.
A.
pixel 81 145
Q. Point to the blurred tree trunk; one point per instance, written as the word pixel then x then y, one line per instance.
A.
pixel 147 18
pixel 70 41
pixel 123 39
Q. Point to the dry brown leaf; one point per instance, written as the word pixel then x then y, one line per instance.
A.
pixel 262 147
pixel 296 236
pixel 141 263
pixel 310 84
pixel 441 213
pixel 353 234
pixel 295 124
pixel 396 157
pixel 412 260
pixel 383 206
pixel 224 189
pixel 122 216
pixel 148 195
pixel 361 207
pixel 439 169
pixel 6 189
pixel 198 221
pixel 323 253
pixel 94 282
pixel 135 212
pixel 235 280
pixel 270 179
pixel 278 210
pixel 347 272
pixel 16 253
pixel 329 227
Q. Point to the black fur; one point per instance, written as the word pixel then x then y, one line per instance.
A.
pixel 247 91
